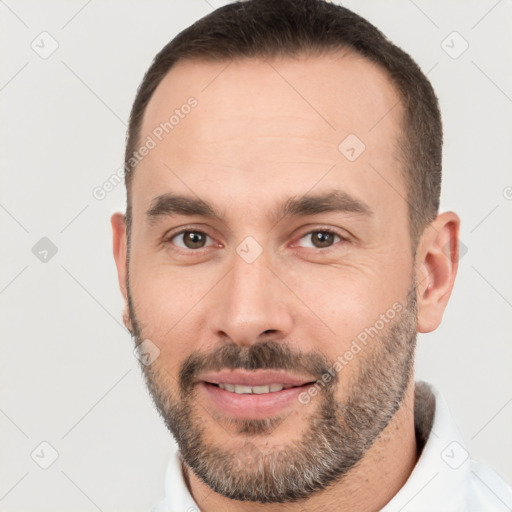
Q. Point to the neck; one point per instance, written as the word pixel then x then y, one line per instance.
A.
pixel 370 485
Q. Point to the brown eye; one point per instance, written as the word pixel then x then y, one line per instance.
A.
pixel 190 239
pixel 321 239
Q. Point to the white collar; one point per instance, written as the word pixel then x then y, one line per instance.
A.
pixel 438 481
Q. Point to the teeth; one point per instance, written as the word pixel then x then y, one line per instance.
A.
pixel 257 390
pixel 263 389
pixel 242 389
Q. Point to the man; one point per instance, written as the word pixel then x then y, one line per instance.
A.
pixel 282 247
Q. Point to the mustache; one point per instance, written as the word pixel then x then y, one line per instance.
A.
pixel 264 355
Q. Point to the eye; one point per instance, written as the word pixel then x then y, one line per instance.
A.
pixel 321 239
pixel 189 239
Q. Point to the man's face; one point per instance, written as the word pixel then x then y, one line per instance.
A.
pixel 254 290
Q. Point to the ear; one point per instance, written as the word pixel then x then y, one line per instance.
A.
pixel 437 260
pixel 119 241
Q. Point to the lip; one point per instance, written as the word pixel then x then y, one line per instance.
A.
pixel 255 378
pixel 253 406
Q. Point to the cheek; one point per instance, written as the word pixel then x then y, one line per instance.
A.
pixel 341 303
pixel 166 301
pixel 165 291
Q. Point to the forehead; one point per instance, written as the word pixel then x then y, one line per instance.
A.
pixel 271 124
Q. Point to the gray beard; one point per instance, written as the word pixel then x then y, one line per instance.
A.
pixel 339 433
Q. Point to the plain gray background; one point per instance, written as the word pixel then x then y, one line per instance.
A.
pixel 68 375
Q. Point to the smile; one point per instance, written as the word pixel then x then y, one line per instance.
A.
pixel 251 402
pixel 257 390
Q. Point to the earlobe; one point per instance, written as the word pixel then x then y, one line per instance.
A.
pixel 436 264
pixel 126 318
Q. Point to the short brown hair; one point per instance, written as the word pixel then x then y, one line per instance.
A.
pixel 282 28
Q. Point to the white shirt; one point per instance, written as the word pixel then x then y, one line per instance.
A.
pixel 444 478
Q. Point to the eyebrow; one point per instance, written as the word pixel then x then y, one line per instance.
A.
pixel 169 204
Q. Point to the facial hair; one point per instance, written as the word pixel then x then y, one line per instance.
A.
pixel 338 435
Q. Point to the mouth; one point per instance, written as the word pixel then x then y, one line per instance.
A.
pixel 253 395
pixel 255 390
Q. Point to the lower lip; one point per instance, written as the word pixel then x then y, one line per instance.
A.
pixel 250 405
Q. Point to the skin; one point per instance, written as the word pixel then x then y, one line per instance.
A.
pixel 264 131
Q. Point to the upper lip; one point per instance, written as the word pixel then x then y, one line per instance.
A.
pixel 254 378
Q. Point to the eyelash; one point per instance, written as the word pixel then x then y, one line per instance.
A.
pixel 168 240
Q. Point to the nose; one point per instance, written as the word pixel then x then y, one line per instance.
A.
pixel 250 303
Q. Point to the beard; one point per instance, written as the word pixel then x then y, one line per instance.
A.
pixel 338 433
